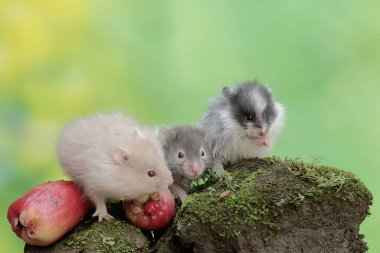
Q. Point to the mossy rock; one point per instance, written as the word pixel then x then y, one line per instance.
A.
pixel 274 205
pixel 90 236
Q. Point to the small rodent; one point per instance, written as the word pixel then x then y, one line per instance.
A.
pixel 187 156
pixel 112 156
pixel 242 123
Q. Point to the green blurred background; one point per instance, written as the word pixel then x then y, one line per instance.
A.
pixel 160 61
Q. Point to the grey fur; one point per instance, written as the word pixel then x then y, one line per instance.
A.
pixel 191 142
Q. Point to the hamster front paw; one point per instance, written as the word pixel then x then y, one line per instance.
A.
pixel 219 167
pixel 178 191
pixel 101 210
pixel 102 214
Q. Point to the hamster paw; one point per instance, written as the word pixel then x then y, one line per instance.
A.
pixel 219 168
pixel 102 214
pixel 177 190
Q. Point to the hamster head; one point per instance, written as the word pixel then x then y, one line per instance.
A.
pixel 253 109
pixel 142 168
pixel 186 152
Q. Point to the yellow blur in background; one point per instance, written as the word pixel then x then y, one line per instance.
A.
pixel 160 62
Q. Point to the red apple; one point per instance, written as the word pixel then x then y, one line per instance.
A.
pixel 151 212
pixel 47 212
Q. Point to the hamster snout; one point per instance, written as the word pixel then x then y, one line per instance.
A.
pixel 165 183
pixel 193 170
pixel 263 132
pixel 258 132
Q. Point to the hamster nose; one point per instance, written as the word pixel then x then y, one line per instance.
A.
pixel 263 132
pixel 195 169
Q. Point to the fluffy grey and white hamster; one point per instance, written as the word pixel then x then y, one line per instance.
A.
pixel 112 156
pixel 187 156
pixel 242 123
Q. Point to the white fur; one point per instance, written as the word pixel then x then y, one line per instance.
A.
pixel 258 101
pixel 86 151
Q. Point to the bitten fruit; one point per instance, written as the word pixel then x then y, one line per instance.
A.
pixel 48 212
pixel 151 212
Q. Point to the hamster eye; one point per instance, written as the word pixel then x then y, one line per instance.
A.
pixel 202 153
pixel 248 116
pixel 151 173
pixel 181 155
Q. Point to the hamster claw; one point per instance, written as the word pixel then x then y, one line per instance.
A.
pixel 102 215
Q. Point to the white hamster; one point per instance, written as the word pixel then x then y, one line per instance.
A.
pixel 242 123
pixel 112 156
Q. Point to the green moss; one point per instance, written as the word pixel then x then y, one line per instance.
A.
pixel 259 188
pixel 106 236
pixel 207 179
pixel 244 204
pixel 329 180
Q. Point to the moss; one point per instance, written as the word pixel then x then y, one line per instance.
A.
pixel 329 181
pixel 208 178
pixel 106 236
pixel 244 204
pixel 259 188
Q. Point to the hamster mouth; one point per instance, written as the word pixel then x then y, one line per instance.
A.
pixel 192 177
pixel 254 137
pixel 260 140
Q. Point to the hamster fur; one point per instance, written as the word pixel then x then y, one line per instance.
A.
pixel 111 156
pixel 187 156
pixel 242 123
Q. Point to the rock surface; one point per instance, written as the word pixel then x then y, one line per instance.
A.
pixel 273 206
pixel 268 205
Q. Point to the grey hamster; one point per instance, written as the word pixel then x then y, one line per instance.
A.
pixel 187 156
pixel 112 156
pixel 242 123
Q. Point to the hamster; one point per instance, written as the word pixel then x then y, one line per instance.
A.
pixel 187 156
pixel 242 123
pixel 112 156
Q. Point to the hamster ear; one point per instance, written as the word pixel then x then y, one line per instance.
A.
pixel 120 155
pixel 166 134
pixel 228 93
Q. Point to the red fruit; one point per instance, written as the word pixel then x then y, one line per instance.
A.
pixel 47 212
pixel 152 214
